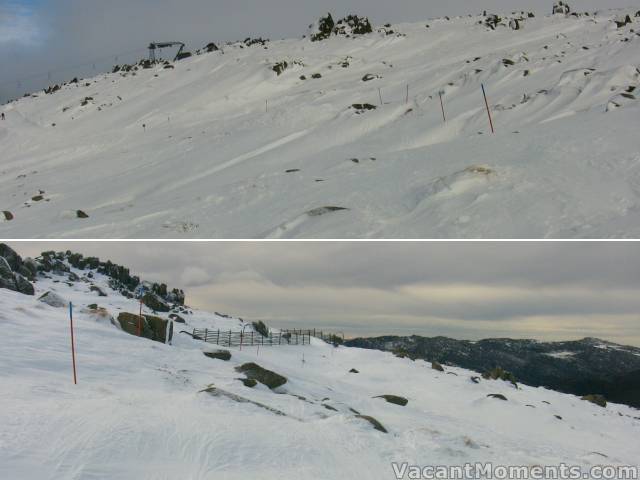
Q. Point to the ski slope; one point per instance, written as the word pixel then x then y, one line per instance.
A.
pixel 139 412
pixel 230 149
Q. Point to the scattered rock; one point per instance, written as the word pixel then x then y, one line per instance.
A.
pixel 323 29
pixel 217 392
pixel 316 75
pixel 396 400
pixel 317 212
pixel 353 370
pixel 558 417
pixel 368 77
pixel 561 7
pixel 81 214
pixel 475 379
pixel 329 407
pixel 376 424
pixel 8 216
pixel 224 355
pixel 293 170
pixel 262 375
pixel 500 374
pixel 498 396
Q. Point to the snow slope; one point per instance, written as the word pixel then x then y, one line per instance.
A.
pixel 222 130
pixel 139 412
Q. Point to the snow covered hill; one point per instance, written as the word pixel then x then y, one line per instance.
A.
pixel 231 149
pixel 148 410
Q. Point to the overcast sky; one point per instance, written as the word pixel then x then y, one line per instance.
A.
pixel 464 290
pixel 37 36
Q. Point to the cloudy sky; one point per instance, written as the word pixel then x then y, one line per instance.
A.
pixel 40 36
pixel 463 290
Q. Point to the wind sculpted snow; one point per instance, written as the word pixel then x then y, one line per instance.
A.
pixel 231 149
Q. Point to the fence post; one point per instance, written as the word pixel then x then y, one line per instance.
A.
pixel 486 102
pixel 229 337
pixel 206 334
pixel 73 348
pixel 407 93
pixel 380 95
pixel 218 338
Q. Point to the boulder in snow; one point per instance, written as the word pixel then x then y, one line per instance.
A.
pixel 596 399
pixel 53 300
pixel 262 375
pixel 395 399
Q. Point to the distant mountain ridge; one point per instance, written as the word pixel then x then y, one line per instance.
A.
pixel 579 367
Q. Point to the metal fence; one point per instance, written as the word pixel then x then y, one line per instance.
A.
pixel 230 338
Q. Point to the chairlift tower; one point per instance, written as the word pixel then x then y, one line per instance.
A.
pixel 159 45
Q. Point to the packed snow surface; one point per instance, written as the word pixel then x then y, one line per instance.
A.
pixel 139 410
pixel 230 149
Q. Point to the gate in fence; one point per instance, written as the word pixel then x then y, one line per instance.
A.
pixel 230 338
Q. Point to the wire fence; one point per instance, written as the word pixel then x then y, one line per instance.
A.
pixel 230 338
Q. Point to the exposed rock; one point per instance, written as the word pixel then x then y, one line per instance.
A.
pixel 353 370
pixel 211 47
pixel 437 366
pixel 53 300
pixel 249 382
pixel 596 399
pixel 475 379
pixel 329 407
pixel 316 75
pixel 219 355
pixel 23 285
pixel 217 392
pixel 155 303
pixel 369 76
pixel 376 424
pixel 81 214
pixel 8 216
pixel 153 328
pixel 396 400
pixel 362 107
pixel 498 396
pixel 95 288
pixel 262 375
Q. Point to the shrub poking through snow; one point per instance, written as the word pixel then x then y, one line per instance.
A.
pixel 262 375
pixel 437 366
pixel 500 374
pixel 596 399
pixel 561 7
pixel 323 28
pixel 261 328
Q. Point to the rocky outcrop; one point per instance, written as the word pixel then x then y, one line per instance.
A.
pixel 596 399
pixel 224 355
pixel 15 274
pixel 155 302
pixel 348 26
pixel 375 423
pixel 322 29
pixel 148 326
pixel 262 375
pixel 561 7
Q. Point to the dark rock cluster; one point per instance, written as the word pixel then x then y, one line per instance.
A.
pixel 348 26
pixel 16 274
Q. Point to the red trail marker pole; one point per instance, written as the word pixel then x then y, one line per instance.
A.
pixel 486 102
pixel 73 348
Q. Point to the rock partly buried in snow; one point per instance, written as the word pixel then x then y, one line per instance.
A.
pixel 437 366
pixel 8 216
pixel 219 355
pixel 395 399
pixel 362 107
pixel 561 7
pixel 53 300
pixel 155 303
pixel 81 214
pixel 317 212
pixel 23 285
pixel 262 375
pixel 218 392
pixel 376 424
pixel 98 290
pixel 153 328
pixel 322 29
pixel 353 370
pixel 248 382
pixel 596 399
pixel 498 396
